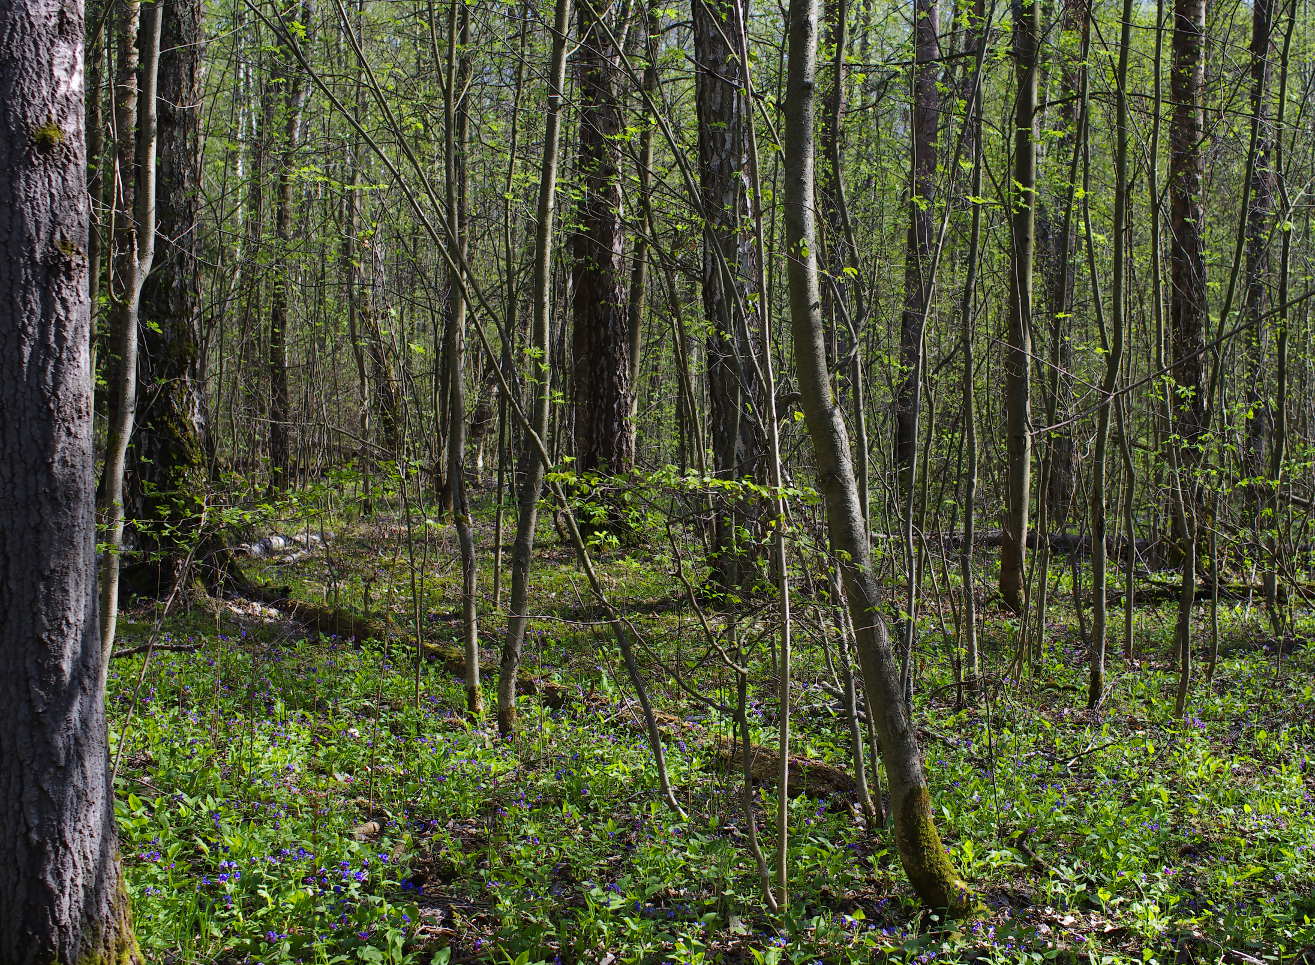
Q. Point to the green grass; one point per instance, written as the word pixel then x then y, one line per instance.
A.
pixel 283 799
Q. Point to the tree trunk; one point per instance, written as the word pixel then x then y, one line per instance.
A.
pixel 61 891
pixel 1057 230
pixel 1112 345
pixel 294 87
pixel 532 467
pixel 1187 305
pixel 971 672
pixel 133 239
pixel 1018 350
pixel 918 244
pixel 924 857
pixel 455 350
pixel 167 478
pixel 604 433
pixel 918 280
pixel 1259 223
pixel 1278 442
pixel 730 272
pixel 1187 296
pixel 644 44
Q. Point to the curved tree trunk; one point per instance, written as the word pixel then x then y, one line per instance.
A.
pixel 61 891
pixel 133 240
pixel 922 854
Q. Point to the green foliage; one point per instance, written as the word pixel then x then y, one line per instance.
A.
pixel 284 800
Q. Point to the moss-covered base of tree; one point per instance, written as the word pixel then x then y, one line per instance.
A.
pixel 925 860
pixel 117 944
pixel 124 951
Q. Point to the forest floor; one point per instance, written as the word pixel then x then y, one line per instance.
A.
pixel 291 797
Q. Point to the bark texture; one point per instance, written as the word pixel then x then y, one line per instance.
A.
pixel 167 476
pixel 730 271
pixel 1057 240
pixel 61 894
pixel 294 86
pixel 604 434
pixel 918 244
pixel 137 61
pixel 531 463
pixel 1260 217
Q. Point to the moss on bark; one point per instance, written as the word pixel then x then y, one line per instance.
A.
pixel 926 862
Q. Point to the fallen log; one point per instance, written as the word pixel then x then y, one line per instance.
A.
pixel 1149 552
pixel 807 776
pixel 277 543
pixel 1168 591
pixel 338 622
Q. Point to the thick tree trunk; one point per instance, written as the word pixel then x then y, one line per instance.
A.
pixel 167 478
pixel 924 857
pixel 61 892
pixel 1018 350
pixel 604 433
pixel 730 272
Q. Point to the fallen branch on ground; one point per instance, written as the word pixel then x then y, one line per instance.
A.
pixel 337 622
pixel 155 648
